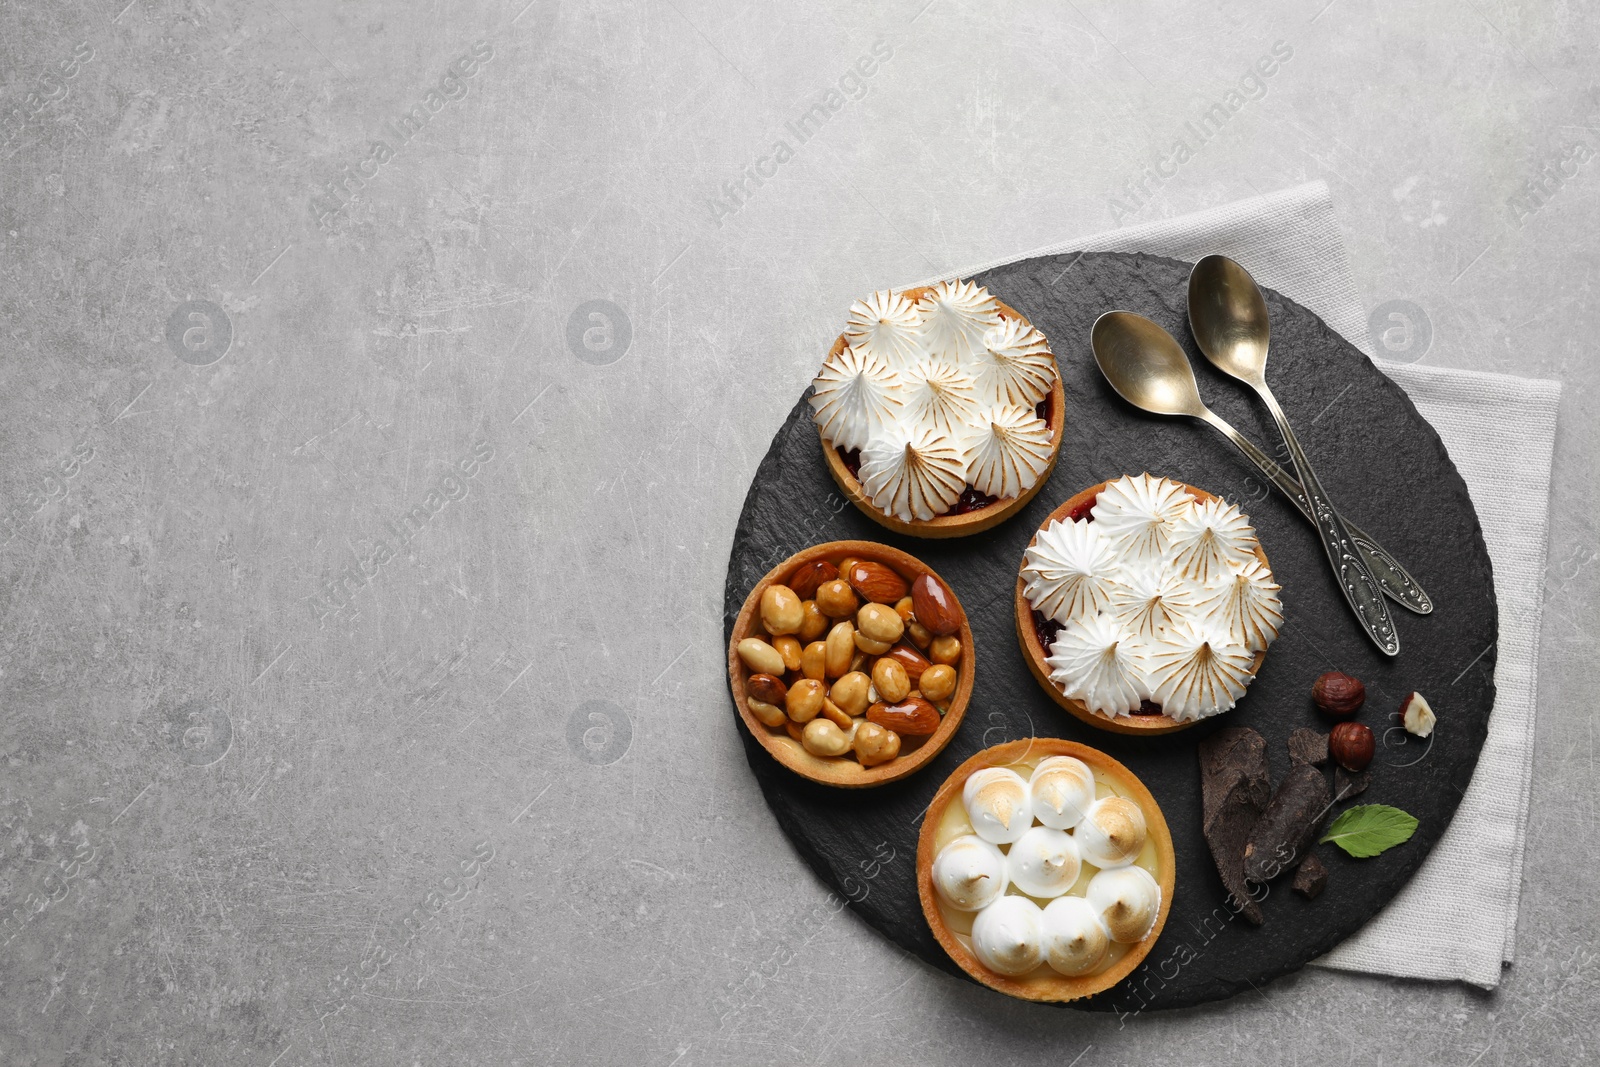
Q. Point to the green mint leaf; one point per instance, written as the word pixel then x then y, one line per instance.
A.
pixel 1368 829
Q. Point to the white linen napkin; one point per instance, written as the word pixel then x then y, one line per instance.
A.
pixel 1457 917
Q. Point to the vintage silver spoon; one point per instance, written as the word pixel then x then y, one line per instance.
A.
pixel 1229 318
pixel 1148 369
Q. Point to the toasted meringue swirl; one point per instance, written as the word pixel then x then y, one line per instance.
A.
pixel 886 325
pixel 1137 514
pixel 955 315
pixel 940 396
pixel 1069 571
pixel 1210 539
pixel 1006 450
pixel 854 397
pixel 1013 365
pixel 1198 670
pixel 913 474
pixel 1247 606
pixel 1095 661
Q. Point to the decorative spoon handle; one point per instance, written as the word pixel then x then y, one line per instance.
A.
pixel 1361 589
pixel 1397 583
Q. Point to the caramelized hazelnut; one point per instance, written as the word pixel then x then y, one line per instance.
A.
pixel 836 599
pixel 768 714
pixel 814 661
pixel 805 700
pixel 919 634
pixel 850 693
pixel 880 623
pixel 789 649
pixel 871 647
pixel 780 610
pixel 832 711
pixel 890 680
pixel 841 648
pixel 938 682
pixel 760 657
pixel 875 744
pixel 822 737
pixel 813 623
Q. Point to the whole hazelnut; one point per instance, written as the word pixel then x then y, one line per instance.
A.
pixel 1338 695
pixel 1352 745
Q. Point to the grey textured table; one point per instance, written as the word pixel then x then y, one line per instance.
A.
pixel 361 691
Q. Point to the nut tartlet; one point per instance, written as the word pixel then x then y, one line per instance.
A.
pixel 1175 604
pixel 1045 869
pixel 940 410
pixel 851 663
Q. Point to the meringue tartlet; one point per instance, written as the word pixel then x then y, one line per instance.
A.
pixel 851 663
pixel 1144 605
pixel 940 409
pixel 1045 869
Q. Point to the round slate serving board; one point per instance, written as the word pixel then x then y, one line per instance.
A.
pixel 1378 459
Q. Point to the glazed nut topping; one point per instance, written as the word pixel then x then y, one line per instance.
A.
pixel 834 662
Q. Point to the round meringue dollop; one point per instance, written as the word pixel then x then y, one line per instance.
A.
pixel 912 473
pixel 969 873
pixel 1149 600
pixel 1008 936
pixel 1013 365
pixel 1043 862
pixel 1137 515
pixel 1246 605
pixel 854 397
pixel 997 803
pixel 1061 790
pixel 1210 539
pixel 1127 900
pixel 1197 670
pixel 886 325
pixel 1111 833
pixel 1006 449
pixel 1069 571
pixel 1075 940
pixel 1094 660
pixel 955 315
pixel 939 395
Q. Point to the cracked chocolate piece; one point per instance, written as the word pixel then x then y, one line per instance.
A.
pixel 1235 789
pixel 1310 878
pixel 1284 833
pixel 1308 746
pixel 1347 784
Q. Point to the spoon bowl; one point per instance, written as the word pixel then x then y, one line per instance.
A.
pixel 1228 315
pixel 1145 366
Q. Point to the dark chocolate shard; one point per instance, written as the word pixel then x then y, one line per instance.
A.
pixel 1308 746
pixel 1283 835
pixel 1234 790
pixel 1310 878
pixel 1347 784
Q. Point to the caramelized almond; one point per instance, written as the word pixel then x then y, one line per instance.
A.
pixel 877 582
pixel 766 688
pixel 935 606
pixel 809 576
pixel 913 661
pixel 912 717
